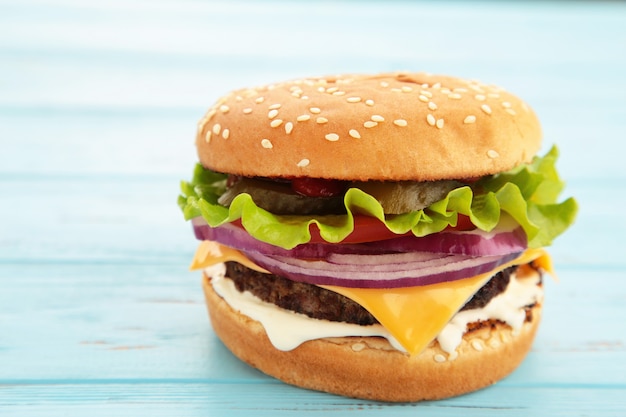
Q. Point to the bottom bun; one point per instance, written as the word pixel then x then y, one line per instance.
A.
pixel 369 367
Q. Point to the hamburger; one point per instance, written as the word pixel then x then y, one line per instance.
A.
pixel 375 236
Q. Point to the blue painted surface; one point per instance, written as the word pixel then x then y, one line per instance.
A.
pixel 98 110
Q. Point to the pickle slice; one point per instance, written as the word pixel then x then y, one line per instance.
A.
pixel 277 197
pixel 405 196
pixel 395 197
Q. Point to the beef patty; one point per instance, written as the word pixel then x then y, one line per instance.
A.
pixel 320 303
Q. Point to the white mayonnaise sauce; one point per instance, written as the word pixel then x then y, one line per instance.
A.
pixel 507 307
pixel 287 330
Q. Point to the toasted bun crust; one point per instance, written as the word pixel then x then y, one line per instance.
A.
pixel 368 367
pixel 400 126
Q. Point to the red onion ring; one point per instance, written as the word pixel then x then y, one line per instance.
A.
pixel 472 243
pixel 405 273
pixel 401 262
pixel 236 237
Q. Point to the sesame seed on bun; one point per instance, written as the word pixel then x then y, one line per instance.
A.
pixel 398 126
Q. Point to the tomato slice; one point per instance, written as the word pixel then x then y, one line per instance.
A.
pixel 370 229
pixel 366 229
pixel 463 223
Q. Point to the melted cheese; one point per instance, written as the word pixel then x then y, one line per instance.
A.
pixel 414 316
pixel 210 253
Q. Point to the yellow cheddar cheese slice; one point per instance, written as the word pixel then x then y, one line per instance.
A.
pixel 413 315
pixel 416 315
pixel 210 253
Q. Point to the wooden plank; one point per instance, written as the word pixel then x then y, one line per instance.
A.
pixel 163 399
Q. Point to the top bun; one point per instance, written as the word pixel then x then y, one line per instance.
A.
pixel 398 126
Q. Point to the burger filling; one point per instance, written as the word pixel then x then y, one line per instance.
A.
pixel 310 312
pixel 320 303
pixel 283 211
pixel 416 261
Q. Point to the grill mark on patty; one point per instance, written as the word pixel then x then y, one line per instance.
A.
pixel 320 303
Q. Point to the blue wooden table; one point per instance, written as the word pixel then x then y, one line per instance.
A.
pixel 99 101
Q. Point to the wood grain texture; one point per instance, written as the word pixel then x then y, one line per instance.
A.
pixel 98 111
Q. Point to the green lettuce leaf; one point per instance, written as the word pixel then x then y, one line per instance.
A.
pixel 527 193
